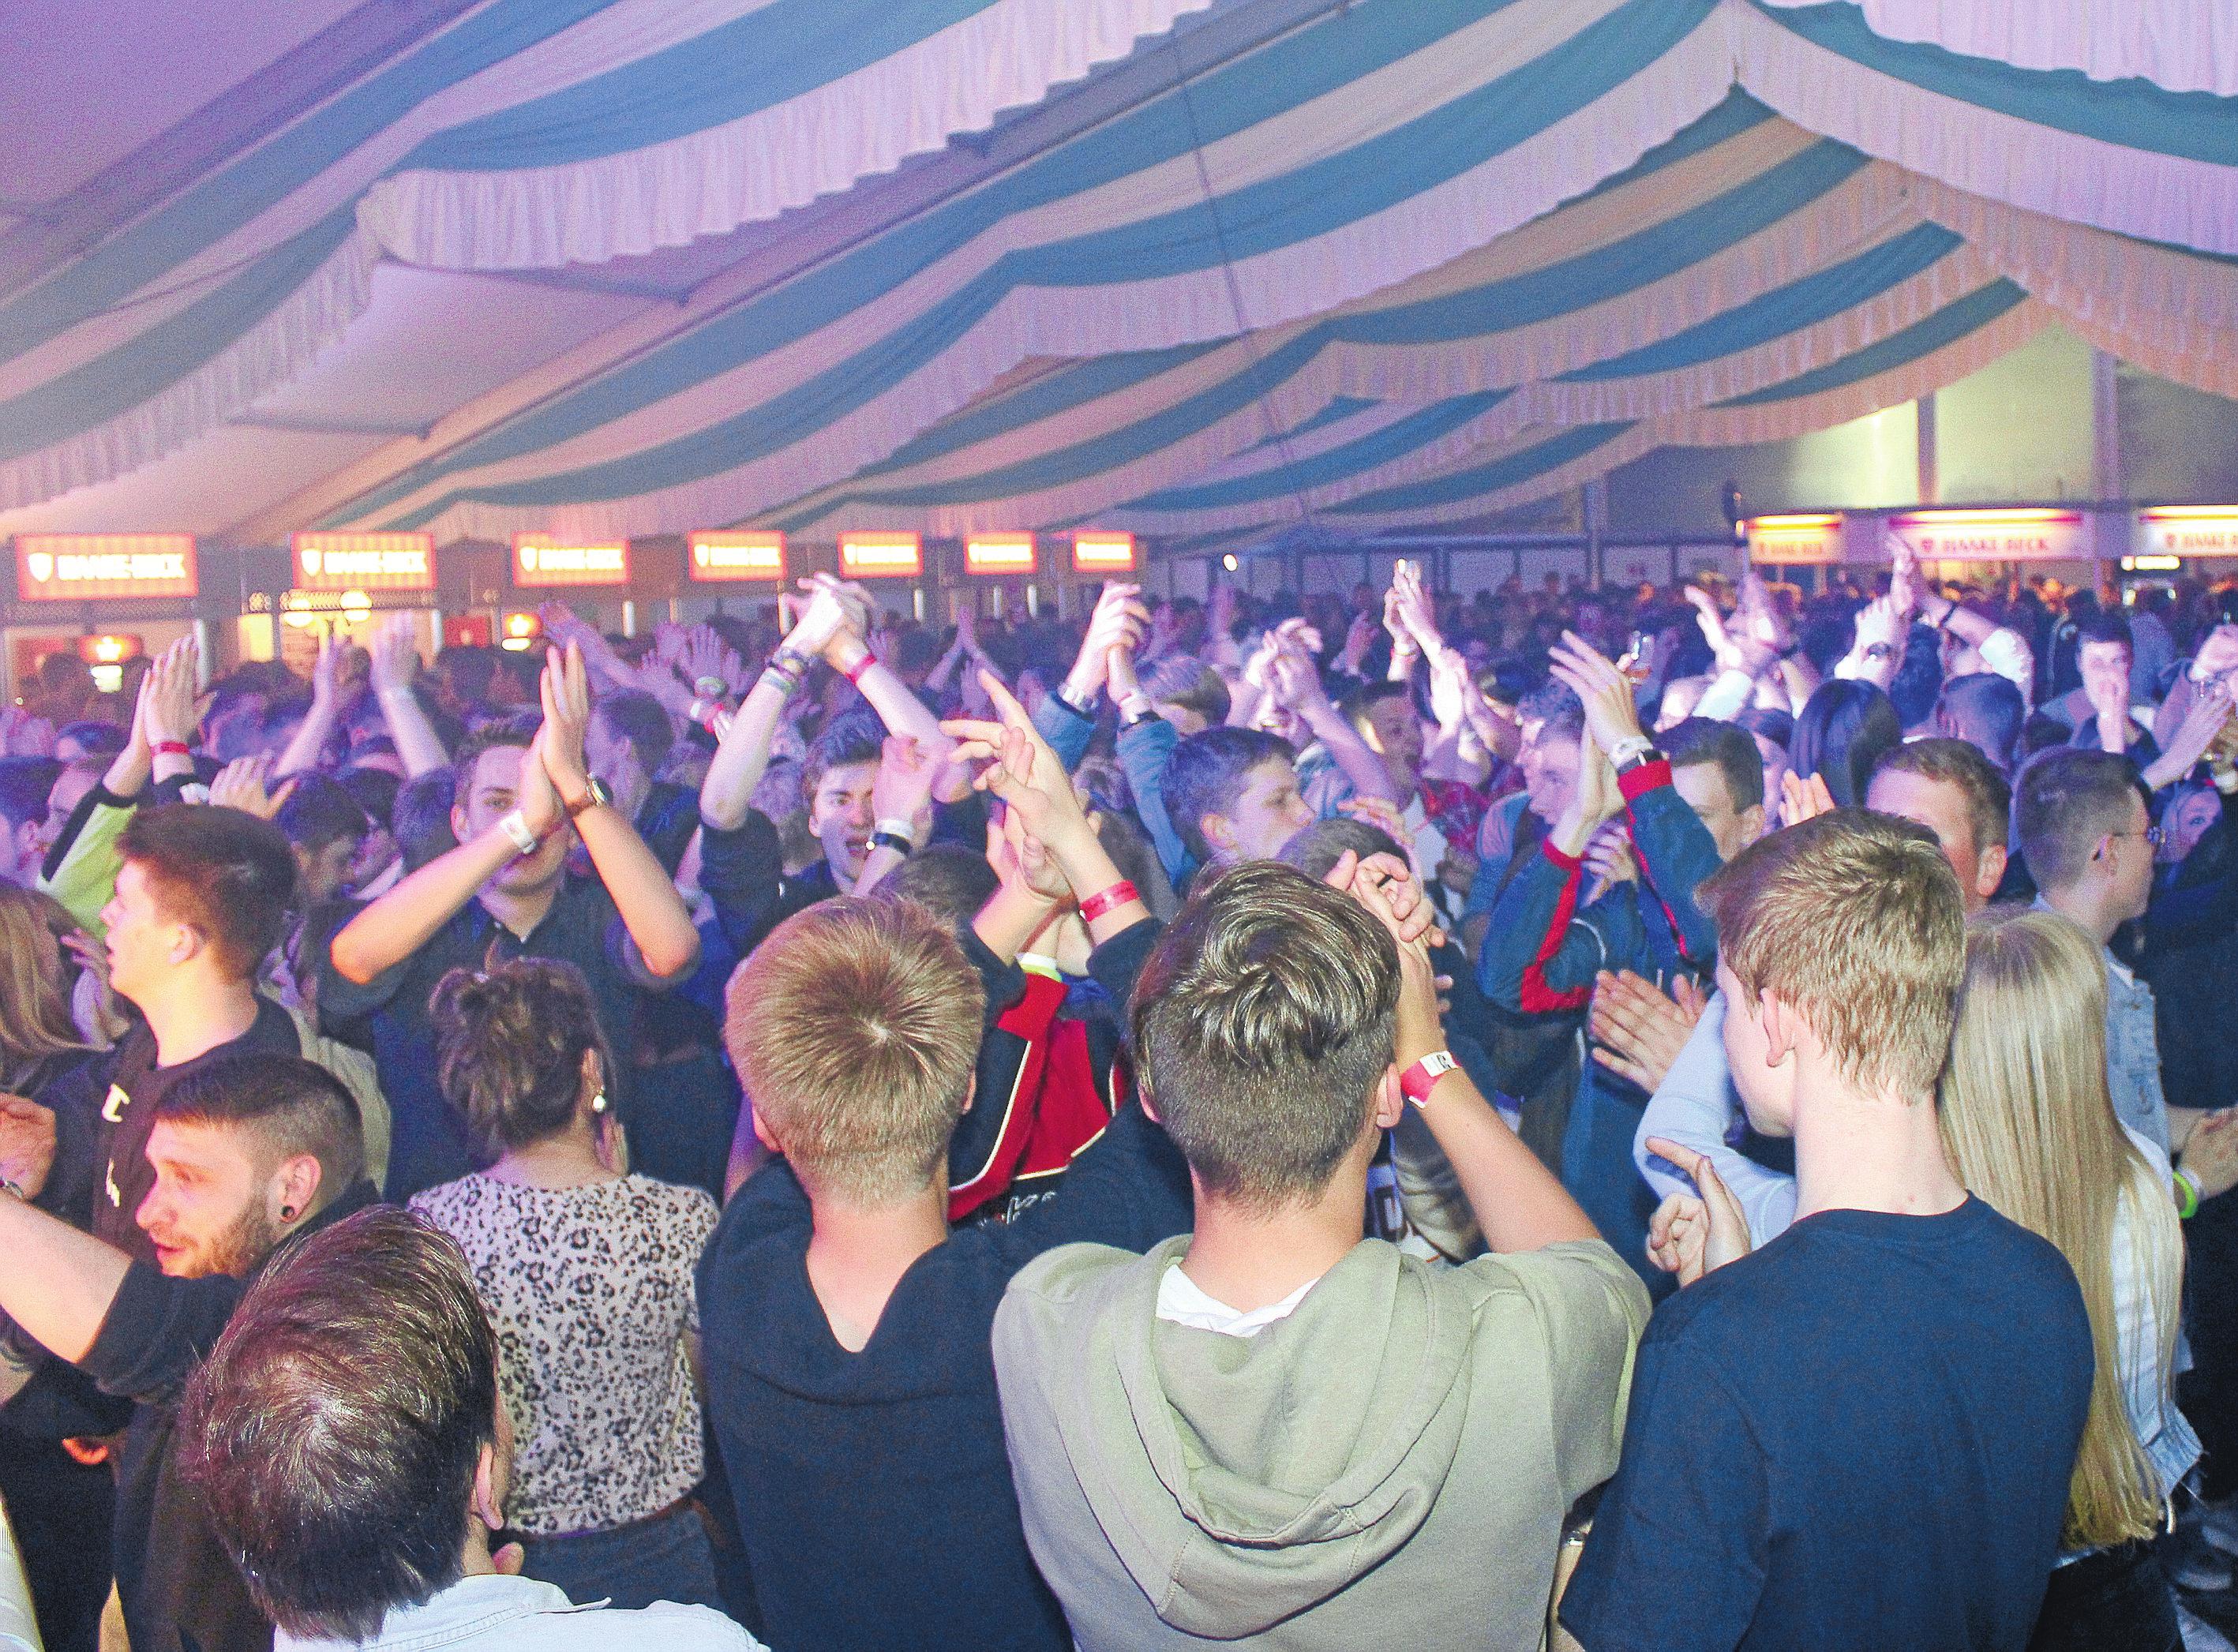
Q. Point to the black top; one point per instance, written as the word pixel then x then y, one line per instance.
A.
pixel 1859 1437
pixel 667 819
pixel 388 1015
pixel 873 1488
pixel 178 1585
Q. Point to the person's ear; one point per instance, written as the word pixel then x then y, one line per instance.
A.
pixel 1148 1103
pixel 1219 834
pixel 593 1079
pixel 1390 1100
pixel 1783 1029
pixel 489 1504
pixel 459 830
pixel 764 1134
pixel 294 1189
pixel 186 943
pixel 971 1094
pixel 1989 869
pixel 1751 820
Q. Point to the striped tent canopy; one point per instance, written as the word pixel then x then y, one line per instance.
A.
pixel 1201 270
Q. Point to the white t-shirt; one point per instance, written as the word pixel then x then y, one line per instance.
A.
pixel 1181 1302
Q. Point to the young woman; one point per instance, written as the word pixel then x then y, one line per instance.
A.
pixel 39 1041
pixel 587 1274
pixel 2031 1130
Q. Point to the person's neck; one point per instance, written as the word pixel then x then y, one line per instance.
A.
pixel 568 1160
pixel 520 910
pixel 2078 903
pixel 1872 1150
pixel 1247 1259
pixel 193 1015
pixel 856 1256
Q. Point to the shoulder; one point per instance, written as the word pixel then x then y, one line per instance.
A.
pixel 688 1210
pixel 1579 1284
pixel 664 1627
pixel 1080 1280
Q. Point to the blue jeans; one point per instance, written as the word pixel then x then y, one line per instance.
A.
pixel 666 1558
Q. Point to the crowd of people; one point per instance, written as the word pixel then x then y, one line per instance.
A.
pixel 1642 1119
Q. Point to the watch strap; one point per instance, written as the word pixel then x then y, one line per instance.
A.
pixel 594 796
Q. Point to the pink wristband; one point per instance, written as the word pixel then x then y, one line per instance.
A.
pixel 1111 899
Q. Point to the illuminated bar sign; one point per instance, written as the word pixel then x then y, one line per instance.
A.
pixel 880 555
pixel 999 554
pixel 737 553
pixel 538 559
pixel 2031 535
pixel 365 561
pixel 71 567
pixel 1796 540
pixel 1103 553
pixel 2187 530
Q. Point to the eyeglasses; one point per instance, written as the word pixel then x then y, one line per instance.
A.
pixel 2153 835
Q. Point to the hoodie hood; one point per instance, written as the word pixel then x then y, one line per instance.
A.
pixel 1261 1475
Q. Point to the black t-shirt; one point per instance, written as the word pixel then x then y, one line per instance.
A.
pixel 1859 1437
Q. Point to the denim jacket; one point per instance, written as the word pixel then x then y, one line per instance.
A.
pixel 490 1613
pixel 2133 1055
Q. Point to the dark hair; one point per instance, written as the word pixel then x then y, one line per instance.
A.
pixel 858 737
pixel 1986 709
pixel 1313 850
pixel 1701 740
pixel 1846 728
pixel 1913 691
pixel 226 873
pixel 291 1105
pixel 518 730
pixel 1191 686
pixel 1555 705
pixel 24 783
pixel 94 738
pixel 335 1430
pixel 2106 625
pixel 2065 799
pixel 1768 722
pixel 420 818
pixel 509 1046
pixel 642 721
pixel 374 790
pixel 1204 775
pixel 320 812
pixel 283 710
pixel 63 668
pixel 949 879
pixel 1262 1022
pixel 468 670
pixel 1959 763
pixel 1364 699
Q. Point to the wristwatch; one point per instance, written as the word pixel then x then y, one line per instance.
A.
pixel 594 796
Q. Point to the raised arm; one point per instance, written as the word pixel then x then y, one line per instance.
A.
pixel 303 751
pixel 395 661
pixel 896 705
pixel 1297 684
pixel 743 752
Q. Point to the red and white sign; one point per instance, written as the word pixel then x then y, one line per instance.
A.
pixel 1101 552
pixel 1793 540
pixel 538 559
pixel 365 561
pixel 1010 553
pixel 72 567
pixel 2187 530
pixel 880 554
pixel 737 553
pixel 2032 534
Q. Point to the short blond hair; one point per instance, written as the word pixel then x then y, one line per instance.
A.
pixel 854 1028
pixel 1854 920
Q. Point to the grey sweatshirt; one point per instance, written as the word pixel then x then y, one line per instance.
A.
pixel 1390 1466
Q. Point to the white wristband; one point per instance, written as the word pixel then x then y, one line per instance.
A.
pixel 900 828
pixel 514 824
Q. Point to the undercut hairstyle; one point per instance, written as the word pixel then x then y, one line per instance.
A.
pixel 224 873
pixel 1262 1024
pixel 497 733
pixel 637 717
pixel 1987 710
pixel 947 879
pixel 1703 740
pixel 420 820
pixel 1206 773
pixel 24 783
pixel 2065 799
pixel 2107 626
pixel 291 1107
pixel 1854 920
pixel 336 1429
pixel 320 812
pixel 855 1031
pixel 509 1047
pixel 92 737
pixel 1958 763
pixel 1845 728
pixel 1317 848
pixel 859 737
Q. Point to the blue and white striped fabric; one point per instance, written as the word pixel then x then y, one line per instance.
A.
pixel 1408 261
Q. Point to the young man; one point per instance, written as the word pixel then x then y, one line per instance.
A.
pixel 245 1154
pixel 25 785
pixel 1950 788
pixel 1273 1432
pixel 1895 1477
pixel 347 1440
pixel 505 892
pixel 1232 795
pixel 2106 719
pixel 1987 712
pixel 629 739
pixel 850 1387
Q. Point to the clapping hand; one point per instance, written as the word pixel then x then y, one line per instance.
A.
pixel 1638 1029
pixel 1612 716
pixel 241 785
pixel 1802 798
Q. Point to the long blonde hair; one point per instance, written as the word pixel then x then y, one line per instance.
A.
pixel 2031 1128
pixel 35 1017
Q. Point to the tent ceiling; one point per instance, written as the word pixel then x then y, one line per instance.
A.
pixel 575 277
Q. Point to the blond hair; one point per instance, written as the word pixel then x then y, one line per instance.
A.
pixel 1854 920
pixel 34 1018
pixel 855 1029
pixel 2031 1128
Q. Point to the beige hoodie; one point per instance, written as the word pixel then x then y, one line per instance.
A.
pixel 1390 1466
